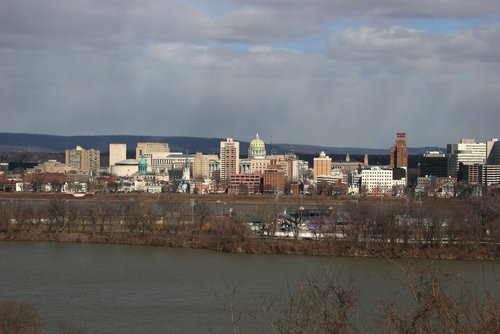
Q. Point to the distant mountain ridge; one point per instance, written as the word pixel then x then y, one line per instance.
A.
pixel 24 142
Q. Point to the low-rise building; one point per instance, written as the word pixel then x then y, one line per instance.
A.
pixel 125 168
pixel 52 166
pixel 245 183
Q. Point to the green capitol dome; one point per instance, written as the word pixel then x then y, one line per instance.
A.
pixel 257 148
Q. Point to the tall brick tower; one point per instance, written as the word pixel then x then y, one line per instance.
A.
pixel 399 152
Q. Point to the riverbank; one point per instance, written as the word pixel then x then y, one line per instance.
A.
pixel 236 244
pixel 428 229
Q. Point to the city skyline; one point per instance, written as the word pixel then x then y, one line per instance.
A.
pixel 330 73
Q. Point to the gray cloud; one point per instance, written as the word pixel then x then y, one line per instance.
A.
pixel 98 23
pixel 169 68
pixel 382 8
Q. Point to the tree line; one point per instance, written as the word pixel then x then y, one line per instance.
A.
pixel 389 228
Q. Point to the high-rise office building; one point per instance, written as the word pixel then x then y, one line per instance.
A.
pixel 229 160
pixel 493 151
pixel 434 163
pixel 322 165
pixel 467 152
pixel 399 152
pixel 117 153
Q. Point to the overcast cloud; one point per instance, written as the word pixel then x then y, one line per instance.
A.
pixel 329 72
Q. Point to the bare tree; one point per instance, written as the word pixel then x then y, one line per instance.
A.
pixel 149 217
pixel 227 298
pixel 57 214
pixel 91 216
pixel 5 216
pixel 104 213
pixel 436 309
pixel 19 318
pixel 18 216
pixel 132 216
pixel 203 211
pixel 39 214
pixel 267 215
pixel 168 207
pixel 315 306
pixel 72 216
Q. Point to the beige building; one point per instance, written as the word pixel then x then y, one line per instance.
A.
pixel 117 152
pixel 160 159
pixel 322 165
pixel 53 166
pixel 259 165
pixel 148 150
pixel 288 163
pixel 203 165
pixel 229 160
pixel 86 161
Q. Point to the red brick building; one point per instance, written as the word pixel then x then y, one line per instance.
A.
pixel 274 179
pixel 245 183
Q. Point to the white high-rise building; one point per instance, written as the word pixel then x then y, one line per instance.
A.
pixel 468 152
pixel 229 160
pixel 117 153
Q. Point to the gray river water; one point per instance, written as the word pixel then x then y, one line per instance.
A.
pixel 133 289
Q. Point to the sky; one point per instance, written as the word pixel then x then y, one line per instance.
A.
pixel 325 72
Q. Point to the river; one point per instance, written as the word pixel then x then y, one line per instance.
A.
pixel 133 289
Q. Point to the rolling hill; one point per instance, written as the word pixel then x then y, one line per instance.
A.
pixel 24 142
